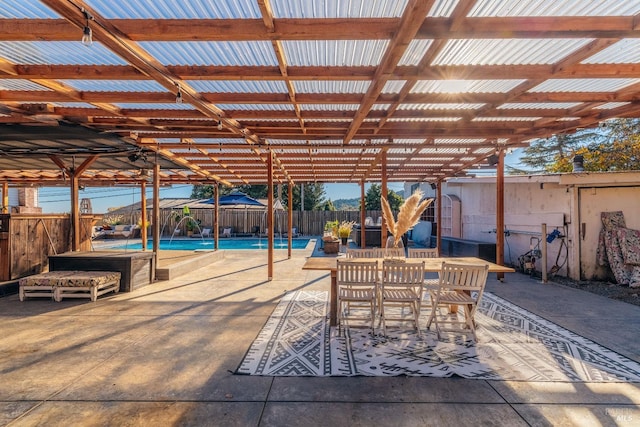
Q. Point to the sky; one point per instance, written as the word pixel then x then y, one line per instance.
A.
pixel 57 199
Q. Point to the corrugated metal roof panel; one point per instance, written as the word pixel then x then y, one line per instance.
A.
pixel 115 85
pixel 380 107
pixel 154 106
pixel 537 105
pixel 442 106
pixel 465 86
pixel 24 9
pixel 242 86
pixel 506 51
pixel 71 53
pixel 442 8
pixel 415 51
pixel 338 8
pixel 424 119
pixel 610 105
pixel 334 53
pixel 625 51
pixel 329 107
pixel 213 52
pixel 505 119
pixel 75 105
pixel 470 141
pixel 20 85
pixel 257 107
pixel 176 9
pixel 393 86
pixel 567 119
pixel 555 8
pixel 583 85
pixel 331 86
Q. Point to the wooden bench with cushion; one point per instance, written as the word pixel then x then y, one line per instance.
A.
pixel 69 284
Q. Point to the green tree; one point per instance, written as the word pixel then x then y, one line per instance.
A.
pixel 328 206
pixel 615 146
pixel 372 198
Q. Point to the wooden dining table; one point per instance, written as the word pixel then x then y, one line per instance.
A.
pixel 432 265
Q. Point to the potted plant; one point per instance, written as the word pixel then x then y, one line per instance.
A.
pixel 330 238
pixel 191 226
pixel 344 230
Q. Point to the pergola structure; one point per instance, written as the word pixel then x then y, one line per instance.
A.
pixel 299 91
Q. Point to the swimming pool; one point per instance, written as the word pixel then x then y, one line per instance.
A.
pixel 207 244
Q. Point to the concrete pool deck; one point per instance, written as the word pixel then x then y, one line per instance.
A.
pixel 164 355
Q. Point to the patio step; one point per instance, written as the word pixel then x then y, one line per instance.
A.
pixel 170 271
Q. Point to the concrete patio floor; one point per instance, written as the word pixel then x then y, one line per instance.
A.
pixel 164 355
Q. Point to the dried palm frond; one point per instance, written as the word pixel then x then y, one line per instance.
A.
pixel 387 213
pixel 408 215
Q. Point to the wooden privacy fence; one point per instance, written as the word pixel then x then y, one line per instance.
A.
pixel 30 239
pixel 309 223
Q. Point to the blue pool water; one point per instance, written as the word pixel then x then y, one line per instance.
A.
pixel 207 244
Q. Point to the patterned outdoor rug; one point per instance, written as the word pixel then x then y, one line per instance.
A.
pixel 513 344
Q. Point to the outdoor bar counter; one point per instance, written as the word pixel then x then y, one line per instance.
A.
pixel 136 267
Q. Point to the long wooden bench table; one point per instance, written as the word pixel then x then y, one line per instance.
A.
pixel 432 265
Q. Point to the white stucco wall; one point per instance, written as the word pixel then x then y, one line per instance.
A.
pixel 563 201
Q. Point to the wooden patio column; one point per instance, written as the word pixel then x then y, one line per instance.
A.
pixel 270 233
pixel 500 212
pixel 156 215
pixel 290 218
pixel 75 212
pixel 74 174
pixel 143 214
pixel 216 215
pixel 383 193
pixel 439 216
pixel 363 215
pixel 5 197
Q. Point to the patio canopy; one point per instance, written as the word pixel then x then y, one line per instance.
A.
pixel 237 200
pixel 331 89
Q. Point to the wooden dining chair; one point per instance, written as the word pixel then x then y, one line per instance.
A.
pixel 459 284
pixel 362 253
pixel 429 281
pixel 422 253
pixel 357 284
pixel 401 287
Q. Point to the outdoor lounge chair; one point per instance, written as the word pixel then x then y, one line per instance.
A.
pixel 205 232
pixel 226 232
pixel 294 233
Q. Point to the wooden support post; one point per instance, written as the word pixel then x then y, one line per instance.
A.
pixel 270 234
pixel 290 218
pixel 363 217
pixel 75 213
pixel 216 216
pixel 500 213
pixel 439 217
pixel 543 257
pixel 143 214
pixel 156 216
pixel 5 197
pixel 383 193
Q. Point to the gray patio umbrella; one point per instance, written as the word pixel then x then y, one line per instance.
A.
pixel 238 200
